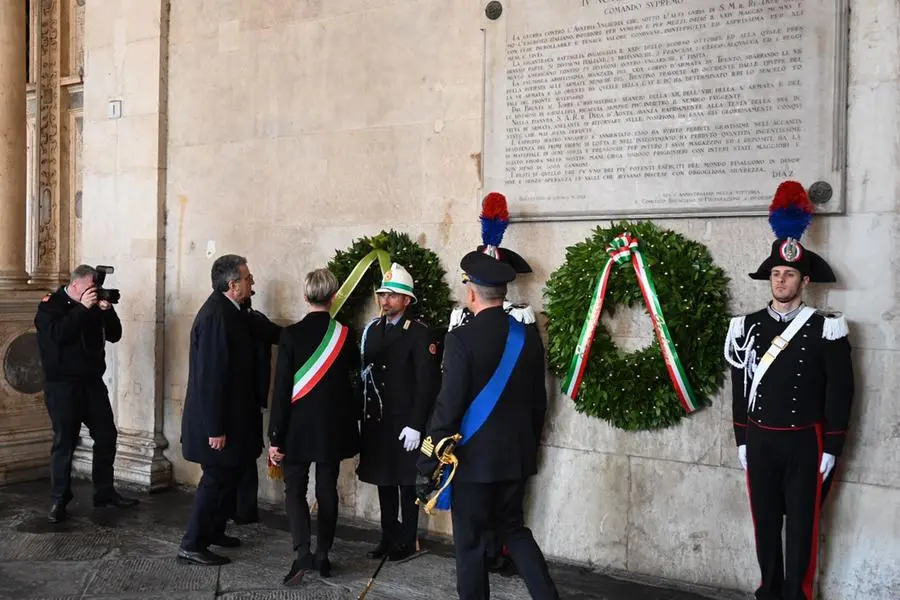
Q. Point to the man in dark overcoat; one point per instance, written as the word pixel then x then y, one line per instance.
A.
pixel 315 419
pixel 220 428
pixel 400 379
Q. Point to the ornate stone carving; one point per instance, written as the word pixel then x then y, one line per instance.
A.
pixel 22 364
pixel 47 265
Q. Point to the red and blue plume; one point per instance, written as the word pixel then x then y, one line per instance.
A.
pixel 494 219
pixel 791 211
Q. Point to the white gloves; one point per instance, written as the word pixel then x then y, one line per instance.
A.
pixel 742 455
pixel 827 465
pixel 410 438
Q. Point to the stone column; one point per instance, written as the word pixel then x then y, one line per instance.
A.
pixel 123 219
pixel 25 433
pixel 12 145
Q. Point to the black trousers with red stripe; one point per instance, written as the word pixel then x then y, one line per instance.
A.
pixel 784 481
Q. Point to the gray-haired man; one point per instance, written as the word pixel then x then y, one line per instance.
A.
pixel 220 424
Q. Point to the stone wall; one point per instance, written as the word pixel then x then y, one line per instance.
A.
pixel 296 125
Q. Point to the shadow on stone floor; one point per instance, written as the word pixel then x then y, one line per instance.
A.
pixel 129 554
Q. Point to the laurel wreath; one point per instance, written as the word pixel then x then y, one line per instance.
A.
pixel 432 292
pixel 632 391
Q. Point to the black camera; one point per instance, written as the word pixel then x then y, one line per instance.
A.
pixel 110 295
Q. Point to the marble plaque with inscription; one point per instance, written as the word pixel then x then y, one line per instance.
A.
pixel 620 108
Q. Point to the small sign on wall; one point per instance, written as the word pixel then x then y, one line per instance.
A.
pixel 114 109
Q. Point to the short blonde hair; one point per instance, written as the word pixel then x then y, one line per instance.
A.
pixel 321 285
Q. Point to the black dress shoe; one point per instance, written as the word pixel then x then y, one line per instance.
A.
pixel 115 499
pixel 379 551
pixel 226 541
pixel 401 552
pixel 506 568
pixel 324 566
pixel 202 557
pixel 57 513
pixel 299 568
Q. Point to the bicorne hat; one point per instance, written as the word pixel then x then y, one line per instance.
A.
pixel 790 214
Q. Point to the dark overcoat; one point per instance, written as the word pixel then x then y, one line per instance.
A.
pixel 402 382
pixel 222 392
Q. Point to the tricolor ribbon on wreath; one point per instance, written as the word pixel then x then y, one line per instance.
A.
pixel 623 249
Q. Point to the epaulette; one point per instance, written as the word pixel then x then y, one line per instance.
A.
pixel 736 327
pixel 835 326
pixel 457 317
pixel 522 313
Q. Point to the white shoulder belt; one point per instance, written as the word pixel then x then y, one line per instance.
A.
pixel 778 344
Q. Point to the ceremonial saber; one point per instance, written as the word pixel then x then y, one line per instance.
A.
pixel 372 579
pixel 375 574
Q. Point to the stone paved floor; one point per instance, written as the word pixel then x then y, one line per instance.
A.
pixel 130 554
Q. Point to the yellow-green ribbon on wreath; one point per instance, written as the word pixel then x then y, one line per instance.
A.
pixel 356 275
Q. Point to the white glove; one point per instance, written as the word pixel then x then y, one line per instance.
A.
pixel 827 465
pixel 410 438
pixel 742 455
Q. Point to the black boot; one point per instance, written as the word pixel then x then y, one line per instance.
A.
pixel 299 568
pixel 115 499
pixel 324 566
pixel 380 550
pixel 57 512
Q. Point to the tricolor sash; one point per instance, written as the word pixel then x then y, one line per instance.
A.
pixel 486 400
pixel 315 367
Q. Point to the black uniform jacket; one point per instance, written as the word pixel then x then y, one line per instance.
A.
pixel 809 383
pixel 221 394
pixel 263 365
pixel 72 339
pixel 323 425
pixel 505 448
pixel 400 393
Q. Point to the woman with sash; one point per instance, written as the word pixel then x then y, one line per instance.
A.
pixel 315 414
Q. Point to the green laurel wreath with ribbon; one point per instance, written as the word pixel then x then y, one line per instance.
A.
pixel 686 297
pixel 360 268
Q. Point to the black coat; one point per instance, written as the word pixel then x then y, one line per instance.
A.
pixel 72 339
pixel 270 334
pixel 324 424
pixel 505 448
pixel 221 394
pixel 404 374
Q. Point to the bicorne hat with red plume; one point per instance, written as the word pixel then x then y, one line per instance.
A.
pixel 790 214
pixel 494 221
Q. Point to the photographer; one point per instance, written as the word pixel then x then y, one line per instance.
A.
pixel 73 326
